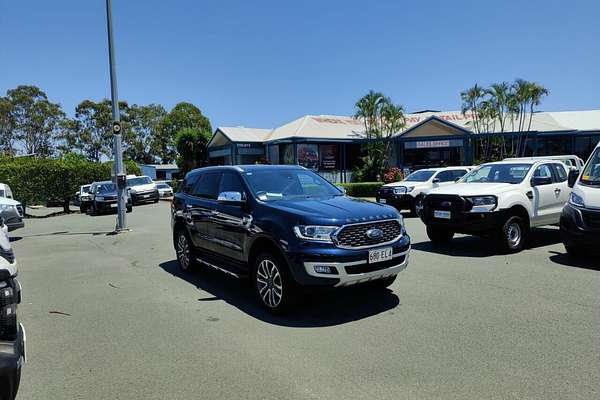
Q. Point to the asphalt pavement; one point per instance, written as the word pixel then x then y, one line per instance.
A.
pixel 112 317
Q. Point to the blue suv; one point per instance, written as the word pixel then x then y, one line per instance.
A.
pixel 285 228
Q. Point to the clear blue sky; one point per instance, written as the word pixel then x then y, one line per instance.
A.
pixel 263 63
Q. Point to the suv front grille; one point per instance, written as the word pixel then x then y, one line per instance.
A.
pixel 591 218
pixel 355 236
pixel 9 297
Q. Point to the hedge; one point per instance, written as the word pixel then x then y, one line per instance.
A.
pixel 361 189
pixel 43 180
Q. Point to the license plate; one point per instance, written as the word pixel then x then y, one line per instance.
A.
pixel 146 196
pixel 114 205
pixel 441 214
pixel 380 255
pixel 383 201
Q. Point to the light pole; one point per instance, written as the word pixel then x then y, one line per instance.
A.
pixel 119 169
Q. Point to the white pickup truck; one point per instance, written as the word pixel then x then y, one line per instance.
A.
pixel 503 200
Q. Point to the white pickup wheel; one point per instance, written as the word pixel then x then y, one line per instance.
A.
pixel 513 234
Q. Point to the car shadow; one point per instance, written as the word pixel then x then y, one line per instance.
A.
pixel 317 309
pixel 590 261
pixel 473 246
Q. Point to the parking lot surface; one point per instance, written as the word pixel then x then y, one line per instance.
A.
pixel 112 317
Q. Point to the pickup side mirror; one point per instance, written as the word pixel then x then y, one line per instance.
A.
pixel 541 180
pixel 436 180
pixel 231 198
pixel 573 175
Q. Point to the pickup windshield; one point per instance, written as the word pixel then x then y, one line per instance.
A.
pixel 497 173
pixel 591 172
pixel 420 176
pixel 106 188
pixel 288 184
pixel 142 180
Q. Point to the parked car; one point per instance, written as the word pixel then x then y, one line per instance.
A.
pixel 142 189
pixel 285 228
pixel 580 219
pixel 408 193
pixel 104 197
pixel 12 213
pixel 84 199
pixel 503 200
pixel 12 333
pixel 571 161
pixel 5 191
pixel 164 190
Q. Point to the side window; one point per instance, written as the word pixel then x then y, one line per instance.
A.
pixel 561 174
pixel 207 186
pixel 459 173
pixel 189 182
pixel 543 171
pixel 230 182
pixel 445 176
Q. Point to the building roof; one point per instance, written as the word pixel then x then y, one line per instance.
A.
pixel 335 127
pixel 162 167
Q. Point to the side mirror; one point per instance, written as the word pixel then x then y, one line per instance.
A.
pixel 231 198
pixel 573 175
pixel 541 180
pixel 342 189
pixel 436 180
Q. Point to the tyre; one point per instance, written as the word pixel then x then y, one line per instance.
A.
pixel 94 209
pixel 185 252
pixel 439 235
pixel 82 209
pixel 513 234
pixel 275 288
pixel 418 207
pixel 129 209
pixel 572 250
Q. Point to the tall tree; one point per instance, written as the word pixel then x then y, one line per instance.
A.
pixel 183 115
pixel 191 148
pixel 35 119
pixel 6 127
pixel 471 99
pixel 144 124
pixel 68 139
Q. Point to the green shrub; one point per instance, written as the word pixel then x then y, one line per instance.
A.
pixel 361 189
pixel 44 180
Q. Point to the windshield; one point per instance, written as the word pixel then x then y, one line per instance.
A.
pixel 420 176
pixel 162 186
pixel 106 187
pixel 289 184
pixel 141 180
pixel 591 172
pixel 497 173
pixel 85 189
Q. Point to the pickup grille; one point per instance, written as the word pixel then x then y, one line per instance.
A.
pixel 8 309
pixel 591 218
pixel 20 210
pixel 355 235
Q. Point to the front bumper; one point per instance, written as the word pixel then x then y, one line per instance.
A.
pixel 399 201
pixel 145 196
pixel 350 266
pixel 469 223
pixel 577 230
pixel 13 355
pixel 13 219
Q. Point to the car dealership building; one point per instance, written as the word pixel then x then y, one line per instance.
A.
pixel 331 144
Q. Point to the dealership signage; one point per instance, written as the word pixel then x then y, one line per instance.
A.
pixel 433 144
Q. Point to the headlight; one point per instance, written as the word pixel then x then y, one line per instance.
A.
pixel 483 203
pixel 576 200
pixel 315 232
pixel 6 207
pixel 399 190
pixel 99 198
pixel 409 189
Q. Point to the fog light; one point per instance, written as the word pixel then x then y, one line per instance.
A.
pixel 325 269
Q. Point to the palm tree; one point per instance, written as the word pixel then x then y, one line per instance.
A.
pixel 536 92
pixel 368 109
pixel 471 98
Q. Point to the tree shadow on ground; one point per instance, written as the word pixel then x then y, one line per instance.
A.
pixel 473 246
pixel 588 261
pixel 317 309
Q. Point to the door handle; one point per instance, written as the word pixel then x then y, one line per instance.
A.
pixel 557 190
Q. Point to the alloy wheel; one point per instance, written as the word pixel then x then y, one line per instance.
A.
pixel 269 283
pixel 183 251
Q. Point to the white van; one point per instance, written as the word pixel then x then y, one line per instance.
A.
pixel 5 191
pixel 580 218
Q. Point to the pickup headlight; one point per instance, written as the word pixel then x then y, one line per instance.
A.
pixel 6 207
pixel 399 190
pixel 483 203
pixel 316 233
pixel 576 200
pixel 409 189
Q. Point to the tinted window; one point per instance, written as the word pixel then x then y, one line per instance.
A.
pixel 207 186
pixel 497 173
pixel 188 183
pixel 446 176
pixel 420 176
pixel 543 171
pixel 297 184
pixel 561 174
pixel 230 182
